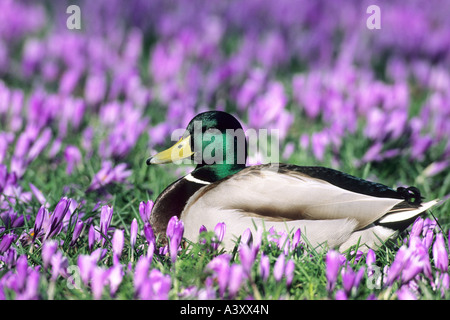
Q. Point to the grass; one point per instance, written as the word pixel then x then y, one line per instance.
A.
pixel 190 269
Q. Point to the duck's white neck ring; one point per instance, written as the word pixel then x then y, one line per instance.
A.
pixel 191 178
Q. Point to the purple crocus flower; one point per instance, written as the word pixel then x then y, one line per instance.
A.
pixel 428 239
pixel 98 280
pixel 141 273
pixel 56 218
pixel 11 219
pixel 118 242
pixel 156 286
pixel 296 239
pixel 341 295
pixel 413 266
pixel 10 258
pixel 76 232
pixel 48 250
pixel 31 291
pixel 109 174
pixel 219 232
pixel 175 230
pixel 72 155
pixel 436 167
pixel 395 269
pixel 22 272
pixel 370 261
pixel 440 254
pixel 220 265
pixel 332 268
pixel 39 196
pixel 284 243
pixel 95 88
pixel 289 272
pixel 235 280
pixel 85 265
pixel 405 294
pixel 150 236
pixel 6 241
pixel 134 229
pixel 202 229
pixel 145 210
pixel 264 267
pixel 278 269
pixel 370 257
pixel 319 142
pixel 39 145
pixel 114 278
pixel 91 237
pixel 105 220
pixel 417 227
pixel 59 265
pixel 444 283
pixel 350 279
pixel 246 236
pixel 247 258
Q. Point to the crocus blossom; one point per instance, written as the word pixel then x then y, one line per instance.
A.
pixel 332 268
pixel 145 210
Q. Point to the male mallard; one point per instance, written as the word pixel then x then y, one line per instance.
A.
pixel 330 207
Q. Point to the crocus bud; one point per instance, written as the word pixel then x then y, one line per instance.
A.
pixel 145 210
pixel 6 241
pixel 247 258
pixel 440 254
pixel 48 250
pixel 296 239
pixel 264 267
pixel 289 272
pixel 219 232
pixel 117 242
pixel 91 237
pixel 235 280
pixel 76 232
pixel 332 268
pixel 133 233
pixel 278 269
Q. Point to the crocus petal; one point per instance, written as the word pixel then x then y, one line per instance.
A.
pixel 405 294
pixel 332 268
pixel 145 210
pixel 290 267
pixel 278 269
pixel 235 279
pixel 133 232
pixel 117 242
pixel 440 254
pixel 264 267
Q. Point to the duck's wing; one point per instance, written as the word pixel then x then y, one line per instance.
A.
pixel 280 194
pixel 335 177
pixel 327 210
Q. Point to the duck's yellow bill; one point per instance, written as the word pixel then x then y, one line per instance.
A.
pixel 179 151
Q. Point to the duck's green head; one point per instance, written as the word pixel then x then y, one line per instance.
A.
pixel 212 138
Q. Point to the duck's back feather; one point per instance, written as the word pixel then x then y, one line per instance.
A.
pixel 281 194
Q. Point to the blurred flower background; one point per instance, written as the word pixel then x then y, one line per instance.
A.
pixel 80 110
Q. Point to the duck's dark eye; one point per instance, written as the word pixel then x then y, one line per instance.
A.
pixel 180 146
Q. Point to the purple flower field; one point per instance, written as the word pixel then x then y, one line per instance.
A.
pixel 81 110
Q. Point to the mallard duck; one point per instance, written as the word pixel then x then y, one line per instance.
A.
pixel 332 208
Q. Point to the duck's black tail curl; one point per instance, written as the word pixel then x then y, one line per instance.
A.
pixel 411 195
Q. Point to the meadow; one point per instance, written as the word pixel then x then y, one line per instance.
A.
pixel 82 109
